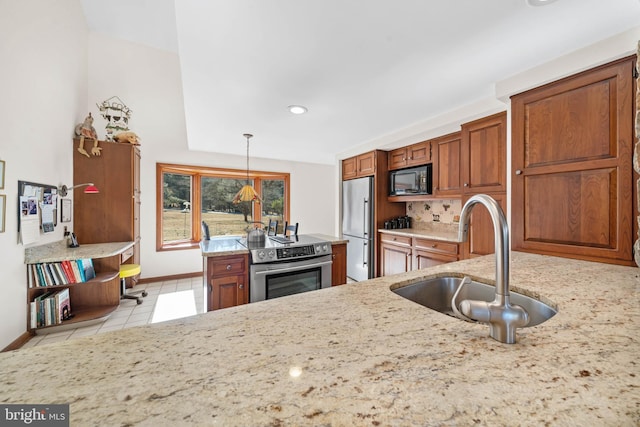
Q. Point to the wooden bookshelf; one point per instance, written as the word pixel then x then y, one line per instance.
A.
pixel 91 301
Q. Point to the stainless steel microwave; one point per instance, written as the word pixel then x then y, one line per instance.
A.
pixel 411 181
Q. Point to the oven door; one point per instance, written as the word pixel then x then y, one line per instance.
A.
pixel 268 281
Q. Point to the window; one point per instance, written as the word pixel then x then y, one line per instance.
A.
pixel 187 195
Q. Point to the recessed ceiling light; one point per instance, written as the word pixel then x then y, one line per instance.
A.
pixel 297 109
pixel 539 2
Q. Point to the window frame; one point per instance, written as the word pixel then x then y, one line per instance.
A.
pixel 197 173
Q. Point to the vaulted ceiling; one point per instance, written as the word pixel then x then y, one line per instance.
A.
pixel 363 68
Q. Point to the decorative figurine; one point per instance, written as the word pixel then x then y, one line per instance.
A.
pixel 127 138
pixel 117 115
pixel 85 130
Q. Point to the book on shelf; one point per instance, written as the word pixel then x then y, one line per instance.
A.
pixel 67 269
pixel 87 268
pixel 50 308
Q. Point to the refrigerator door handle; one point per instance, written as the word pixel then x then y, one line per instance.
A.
pixel 364 254
pixel 366 217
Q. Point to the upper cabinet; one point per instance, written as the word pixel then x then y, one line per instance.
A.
pixel 572 178
pixel 446 165
pixel 412 155
pixel 359 166
pixel 484 155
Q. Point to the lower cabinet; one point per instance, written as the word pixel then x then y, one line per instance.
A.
pixel 339 266
pixel 395 254
pixel 429 253
pixel 226 281
pixel 401 254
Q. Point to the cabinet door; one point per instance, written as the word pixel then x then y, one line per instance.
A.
pixel 446 166
pixel 339 266
pixel 419 154
pixel 394 259
pixel 423 259
pixel 227 291
pixel 484 155
pixel 572 159
pixel 397 158
pixel 349 168
pixel 481 237
pixel 366 163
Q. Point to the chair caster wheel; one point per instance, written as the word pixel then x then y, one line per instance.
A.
pixel 144 293
pixel 139 301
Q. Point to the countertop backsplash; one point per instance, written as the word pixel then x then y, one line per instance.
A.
pixel 438 214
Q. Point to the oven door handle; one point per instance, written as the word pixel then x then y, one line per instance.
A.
pixel 302 267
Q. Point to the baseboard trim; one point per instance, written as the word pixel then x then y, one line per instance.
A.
pixel 171 277
pixel 18 342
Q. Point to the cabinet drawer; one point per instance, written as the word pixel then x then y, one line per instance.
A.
pixel 225 266
pixel 395 240
pixel 436 246
pixel 126 255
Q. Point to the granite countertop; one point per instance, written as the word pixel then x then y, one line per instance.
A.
pixel 59 251
pixel 230 245
pixel 358 354
pixel 222 246
pixel 434 234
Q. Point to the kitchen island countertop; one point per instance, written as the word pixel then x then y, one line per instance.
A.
pixel 359 354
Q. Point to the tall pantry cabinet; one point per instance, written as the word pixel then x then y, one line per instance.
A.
pixel 112 215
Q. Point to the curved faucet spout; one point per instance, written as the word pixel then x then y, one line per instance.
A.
pixel 501 235
pixel 502 316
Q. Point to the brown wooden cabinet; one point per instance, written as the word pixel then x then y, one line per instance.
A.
pixel 484 155
pixel 339 266
pixel 412 155
pixel 572 179
pixel 429 253
pixel 226 281
pixel 359 166
pixel 446 166
pixel 395 254
pixel 112 215
pixel 405 253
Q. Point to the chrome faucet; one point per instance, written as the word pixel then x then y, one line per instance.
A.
pixel 502 316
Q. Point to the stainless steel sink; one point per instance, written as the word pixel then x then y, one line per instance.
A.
pixel 437 293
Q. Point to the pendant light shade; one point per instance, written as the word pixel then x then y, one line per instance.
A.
pixel 247 193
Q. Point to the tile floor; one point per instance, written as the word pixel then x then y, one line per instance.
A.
pixel 165 300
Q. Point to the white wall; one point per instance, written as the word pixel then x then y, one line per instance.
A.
pixel 148 81
pixel 43 87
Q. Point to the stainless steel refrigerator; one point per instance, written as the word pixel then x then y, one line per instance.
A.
pixel 357 227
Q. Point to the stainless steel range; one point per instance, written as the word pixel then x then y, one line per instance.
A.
pixel 286 266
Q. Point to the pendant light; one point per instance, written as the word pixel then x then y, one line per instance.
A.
pixel 247 193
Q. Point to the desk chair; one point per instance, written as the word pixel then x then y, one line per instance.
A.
pixel 130 270
pixel 287 227
pixel 272 228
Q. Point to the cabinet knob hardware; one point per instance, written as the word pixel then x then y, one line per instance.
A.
pixel 228 266
pixel 241 286
pixel 466 184
pixel 434 246
pixel 518 172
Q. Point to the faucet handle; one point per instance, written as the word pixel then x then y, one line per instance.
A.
pixel 454 305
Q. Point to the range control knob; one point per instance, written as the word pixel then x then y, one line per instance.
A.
pixel 272 254
pixel 261 254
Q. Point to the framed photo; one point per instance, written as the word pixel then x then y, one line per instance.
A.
pixel 65 210
pixel 2 176
pixel 3 211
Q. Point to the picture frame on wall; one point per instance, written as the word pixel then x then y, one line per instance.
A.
pixel 2 175
pixel 3 211
pixel 65 210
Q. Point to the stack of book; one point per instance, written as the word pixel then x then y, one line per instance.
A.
pixel 50 308
pixel 60 273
